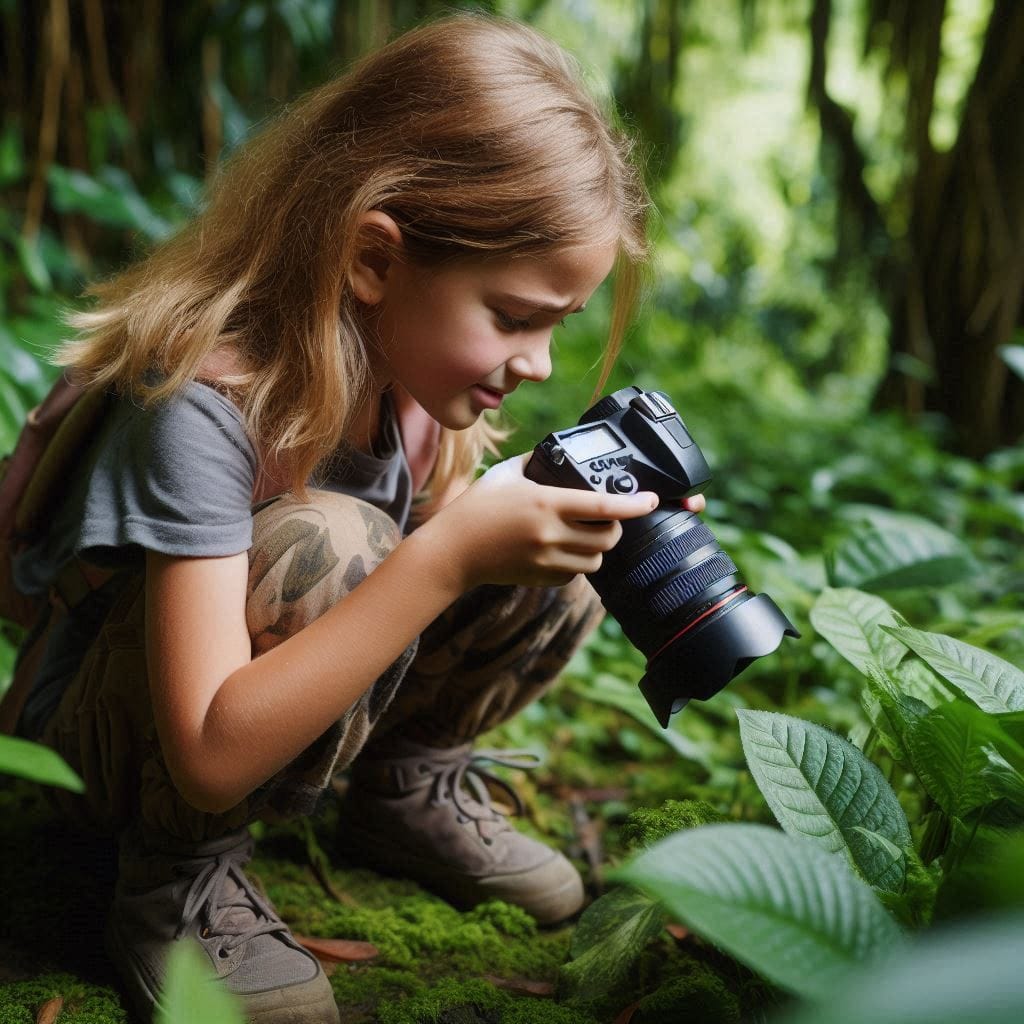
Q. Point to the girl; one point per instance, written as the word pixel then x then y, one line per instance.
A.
pixel 381 266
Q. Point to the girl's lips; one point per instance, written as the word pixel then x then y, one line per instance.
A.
pixel 486 397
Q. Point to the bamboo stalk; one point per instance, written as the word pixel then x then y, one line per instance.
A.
pixel 57 52
pixel 99 57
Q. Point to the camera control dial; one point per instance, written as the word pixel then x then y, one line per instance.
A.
pixel 624 483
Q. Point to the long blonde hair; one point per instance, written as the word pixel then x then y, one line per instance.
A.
pixel 472 132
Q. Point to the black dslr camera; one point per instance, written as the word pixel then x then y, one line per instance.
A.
pixel 677 595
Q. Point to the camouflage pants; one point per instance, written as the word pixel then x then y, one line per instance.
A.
pixel 489 654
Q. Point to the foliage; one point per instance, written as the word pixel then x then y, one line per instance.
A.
pixel 190 993
pixel 34 761
pixel 887 744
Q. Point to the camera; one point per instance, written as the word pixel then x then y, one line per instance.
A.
pixel 677 595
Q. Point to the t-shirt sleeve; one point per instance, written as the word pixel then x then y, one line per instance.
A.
pixel 175 478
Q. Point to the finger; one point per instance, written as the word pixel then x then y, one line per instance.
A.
pixel 586 505
pixel 695 503
pixel 590 537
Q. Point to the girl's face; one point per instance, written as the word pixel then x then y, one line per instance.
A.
pixel 461 337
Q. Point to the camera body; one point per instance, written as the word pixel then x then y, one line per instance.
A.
pixel 677 595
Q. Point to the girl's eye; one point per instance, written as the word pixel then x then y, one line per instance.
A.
pixel 507 322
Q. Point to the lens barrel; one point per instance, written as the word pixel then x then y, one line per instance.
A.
pixel 682 602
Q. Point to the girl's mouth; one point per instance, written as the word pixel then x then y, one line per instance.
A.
pixel 487 397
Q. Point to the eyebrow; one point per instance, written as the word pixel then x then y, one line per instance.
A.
pixel 542 307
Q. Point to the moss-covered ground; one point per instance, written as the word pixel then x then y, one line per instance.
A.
pixel 594 799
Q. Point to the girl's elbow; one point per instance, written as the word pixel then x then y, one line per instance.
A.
pixel 206 792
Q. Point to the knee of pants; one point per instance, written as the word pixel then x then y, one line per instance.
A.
pixel 306 556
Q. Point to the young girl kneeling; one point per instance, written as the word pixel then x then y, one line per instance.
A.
pixel 379 267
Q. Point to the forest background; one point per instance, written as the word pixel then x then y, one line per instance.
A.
pixel 836 312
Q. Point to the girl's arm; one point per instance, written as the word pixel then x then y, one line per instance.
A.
pixel 227 723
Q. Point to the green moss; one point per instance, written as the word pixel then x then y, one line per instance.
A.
pixel 476 1002
pixel 84 1003
pixel 647 825
pixel 700 994
pixel 360 988
pixel 412 928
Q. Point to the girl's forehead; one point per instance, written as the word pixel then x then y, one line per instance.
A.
pixel 569 270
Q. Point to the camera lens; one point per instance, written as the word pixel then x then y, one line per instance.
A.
pixel 681 601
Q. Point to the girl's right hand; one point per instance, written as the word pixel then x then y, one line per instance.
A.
pixel 508 529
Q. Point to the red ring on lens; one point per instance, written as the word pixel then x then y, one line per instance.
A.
pixel 700 618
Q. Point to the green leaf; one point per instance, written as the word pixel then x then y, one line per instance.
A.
pixel 12 155
pixel 609 937
pixel 967 974
pixel 606 688
pixel 110 199
pixel 782 906
pixel 891 712
pixel 947 749
pixel 915 679
pixel 822 787
pixel 32 264
pixel 34 761
pixel 993 684
pixel 191 993
pixel 892 557
pixel 1003 779
pixel 1013 356
pixel 849 620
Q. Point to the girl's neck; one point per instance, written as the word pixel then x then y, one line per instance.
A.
pixel 364 429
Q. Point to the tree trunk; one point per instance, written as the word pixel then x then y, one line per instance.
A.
pixel 965 280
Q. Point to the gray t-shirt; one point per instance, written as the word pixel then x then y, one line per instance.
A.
pixel 176 478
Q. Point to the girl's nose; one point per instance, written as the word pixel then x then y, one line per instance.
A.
pixel 533 362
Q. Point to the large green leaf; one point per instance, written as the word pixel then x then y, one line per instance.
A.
pixel 849 620
pixel 967 975
pixel 191 993
pixel 610 935
pixel 820 786
pixel 993 684
pixel 948 749
pixel 779 904
pixel 892 557
pixel 34 761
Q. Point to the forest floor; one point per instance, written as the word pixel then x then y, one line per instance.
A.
pixel 489 965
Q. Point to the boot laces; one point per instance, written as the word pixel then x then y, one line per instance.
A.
pixel 450 780
pixel 223 914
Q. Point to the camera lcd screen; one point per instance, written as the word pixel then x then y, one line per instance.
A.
pixel 591 444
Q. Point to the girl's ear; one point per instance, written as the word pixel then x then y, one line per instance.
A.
pixel 377 244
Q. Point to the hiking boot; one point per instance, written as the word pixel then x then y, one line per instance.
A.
pixel 167 892
pixel 427 814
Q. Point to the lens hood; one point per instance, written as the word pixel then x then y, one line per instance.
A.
pixel 699 663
